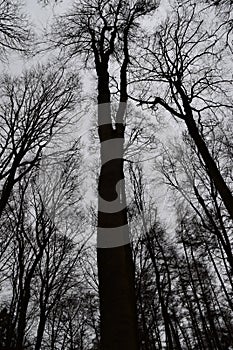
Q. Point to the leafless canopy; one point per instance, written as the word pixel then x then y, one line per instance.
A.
pixel 15 32
pixel 33 107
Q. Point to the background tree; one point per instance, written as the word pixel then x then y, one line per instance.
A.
pixel 43 260
pixel 180 301
pixel 33 108
pixel 195 95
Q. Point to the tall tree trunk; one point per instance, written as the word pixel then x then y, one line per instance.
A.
pixel 118 321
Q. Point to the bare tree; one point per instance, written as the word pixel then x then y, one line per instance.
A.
pixel 101 33
pixel 33 108
pixel 180 302
pixel 43 261
pixel 186 60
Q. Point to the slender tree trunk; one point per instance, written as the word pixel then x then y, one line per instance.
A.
pixel 212 168
pixel 7 188
pixel 222 236
pixel 24 300
pixel 41 327
pixel 22 319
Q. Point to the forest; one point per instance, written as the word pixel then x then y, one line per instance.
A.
pixel 116 159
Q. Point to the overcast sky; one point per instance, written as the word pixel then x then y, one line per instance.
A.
pixel 41 16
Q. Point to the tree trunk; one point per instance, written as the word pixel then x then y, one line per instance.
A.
pixel 22 319
pixel 41 327
pixel 7 187
pixel 212 168
pixel 118 321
